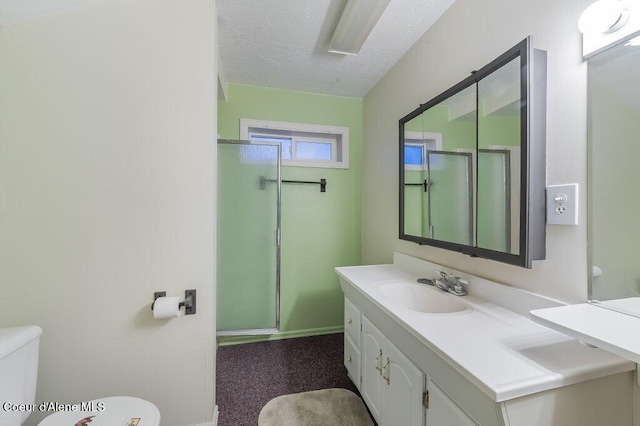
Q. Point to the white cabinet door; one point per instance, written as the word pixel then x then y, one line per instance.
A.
pixel 404 387
pixel 392 385
pixel 372 341
pixel 443 411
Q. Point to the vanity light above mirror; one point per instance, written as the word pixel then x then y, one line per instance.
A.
pixel 472 163
pixel 606 23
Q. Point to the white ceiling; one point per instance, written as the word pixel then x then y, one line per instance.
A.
pixel 284 43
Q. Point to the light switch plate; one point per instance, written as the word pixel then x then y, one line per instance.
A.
pixel 562 204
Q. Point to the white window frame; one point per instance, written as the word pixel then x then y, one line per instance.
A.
pixel 337 136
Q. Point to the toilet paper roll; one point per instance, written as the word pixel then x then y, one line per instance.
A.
pixel 166 307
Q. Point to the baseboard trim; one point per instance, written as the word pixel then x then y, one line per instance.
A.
pixel 214 422
pixel 237 340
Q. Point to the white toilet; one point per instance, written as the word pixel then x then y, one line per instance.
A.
pixel 19 347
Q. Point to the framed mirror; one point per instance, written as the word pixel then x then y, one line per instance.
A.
pixel 472 162
pixel 613 205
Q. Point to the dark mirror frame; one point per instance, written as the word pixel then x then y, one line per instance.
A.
pixel 533 89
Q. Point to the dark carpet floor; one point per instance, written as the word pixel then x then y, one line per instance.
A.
pixel 250 375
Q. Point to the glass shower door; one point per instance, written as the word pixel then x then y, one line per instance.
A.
pixel 450 196
pixel 248 243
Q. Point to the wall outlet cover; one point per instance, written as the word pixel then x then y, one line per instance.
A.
pixel 562 204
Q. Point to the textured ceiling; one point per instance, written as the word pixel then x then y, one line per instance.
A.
pixel 284 43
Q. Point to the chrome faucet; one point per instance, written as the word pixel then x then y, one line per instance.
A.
pixel 451 284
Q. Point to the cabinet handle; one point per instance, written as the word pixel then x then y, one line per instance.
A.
pixel 378 362
pixel 386 364
pixel 349 321
pixel 348 359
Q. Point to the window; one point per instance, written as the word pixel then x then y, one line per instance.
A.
pixel 416 145
pixel 414 154
pixel 306 145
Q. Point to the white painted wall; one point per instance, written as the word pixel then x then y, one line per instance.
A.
pixel 469 35
pixel 615 226
pixel 107 194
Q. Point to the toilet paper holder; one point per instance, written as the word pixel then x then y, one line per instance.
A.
pixel 189 302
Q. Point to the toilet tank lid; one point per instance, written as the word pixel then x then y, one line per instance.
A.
pixel 13 338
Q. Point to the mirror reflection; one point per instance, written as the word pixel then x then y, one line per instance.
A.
pixel 439 146
pixel 499 139
pixel 450 169
pixel 614 132
pixel 416 145
pixel 472 163
pixel 469 140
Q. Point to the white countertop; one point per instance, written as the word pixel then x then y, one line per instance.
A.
pixel 613 331
pixel 502 352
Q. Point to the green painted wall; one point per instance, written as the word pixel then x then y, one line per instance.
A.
pixel 319 230
pixel 455 133
pixel 416 204
pixel 498 130
pixel 498 214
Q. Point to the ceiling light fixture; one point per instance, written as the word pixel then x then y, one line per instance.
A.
pixel 356 22
pixel 603 16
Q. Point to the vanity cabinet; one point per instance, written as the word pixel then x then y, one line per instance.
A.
pixel 392 386
pixel 442 410
pixel 396 391
pixel 371 385
pixel 488 365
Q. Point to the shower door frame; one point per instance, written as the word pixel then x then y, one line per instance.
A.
pixel 263 331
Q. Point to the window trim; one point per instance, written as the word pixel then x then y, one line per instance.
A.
pixel 339 140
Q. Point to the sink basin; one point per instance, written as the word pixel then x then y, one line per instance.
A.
pixel 420 297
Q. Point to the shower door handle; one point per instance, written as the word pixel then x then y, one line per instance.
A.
pixel 278 237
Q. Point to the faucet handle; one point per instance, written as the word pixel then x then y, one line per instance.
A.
pixel 443 275
pixel 457 285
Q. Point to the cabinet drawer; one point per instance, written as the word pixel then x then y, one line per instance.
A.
pixel 352 322
pixel 352 360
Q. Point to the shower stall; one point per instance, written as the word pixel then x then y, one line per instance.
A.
pixel 248 275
